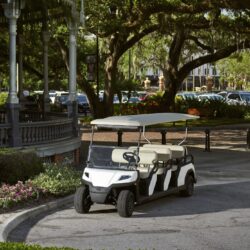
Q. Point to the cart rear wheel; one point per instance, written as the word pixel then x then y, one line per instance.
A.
pixel 189 187
pixel 125 203
pixel 82 201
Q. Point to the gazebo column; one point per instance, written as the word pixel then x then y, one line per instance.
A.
pixel 72 103
pixel 12 12
pixel 20 67
pixel 46 99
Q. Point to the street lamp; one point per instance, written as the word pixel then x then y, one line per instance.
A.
pixel 82 15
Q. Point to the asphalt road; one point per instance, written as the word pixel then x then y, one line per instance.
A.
pixel 217 217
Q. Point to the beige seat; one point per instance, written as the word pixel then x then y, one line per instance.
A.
pixel 163 155
pixel 117 155
pixel 177 150
pixel 147 159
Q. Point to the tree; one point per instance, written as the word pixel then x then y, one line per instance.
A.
pixel 201 25
pixel 224 34
pixel 235 70
pixel 122 24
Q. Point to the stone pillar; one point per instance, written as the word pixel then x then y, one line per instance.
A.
pixel 147 83
pixel 12 12
pixel 46 99
pixel 161 83
pixel 209 83
pixel 72 103
pixel 72 60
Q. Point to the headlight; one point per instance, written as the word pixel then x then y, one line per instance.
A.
pixel 124 177
pixel 86 174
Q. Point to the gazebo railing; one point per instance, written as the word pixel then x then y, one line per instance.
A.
pixel 46 131
pixel 3 118
pixel 32 116
pixel 4 134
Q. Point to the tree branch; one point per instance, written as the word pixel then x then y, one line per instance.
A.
pixel 136 38
pixel 220 54
pixel 200 44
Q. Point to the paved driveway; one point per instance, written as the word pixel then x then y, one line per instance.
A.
pixel 216 217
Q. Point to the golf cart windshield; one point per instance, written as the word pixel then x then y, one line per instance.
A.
pixel 101 157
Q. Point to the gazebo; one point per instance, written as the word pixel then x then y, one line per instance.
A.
pixel 54 136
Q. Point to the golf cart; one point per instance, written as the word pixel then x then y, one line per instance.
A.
pixel 125 176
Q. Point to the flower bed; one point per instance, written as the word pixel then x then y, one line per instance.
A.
pixel 56 181
pixel 11 195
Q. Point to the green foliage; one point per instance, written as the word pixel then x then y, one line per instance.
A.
pixel 236 70
pixel 16 165
pixel 58 180
pixel 86 119
pixel 235 111
pixel 182 105
pixel 211 108
pixel 3 98
pixel 23 246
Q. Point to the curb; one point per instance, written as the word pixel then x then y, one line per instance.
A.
pixel 20 217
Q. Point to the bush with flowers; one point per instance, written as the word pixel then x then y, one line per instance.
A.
pixel 153 104
pixel 10 195
pixel 54 181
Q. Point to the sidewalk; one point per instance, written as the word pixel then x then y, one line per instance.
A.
pixel 231 137
pixel 227 137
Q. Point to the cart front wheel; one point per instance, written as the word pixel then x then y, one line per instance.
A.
pixel 82 200
pixel 189 187
pixel 125 203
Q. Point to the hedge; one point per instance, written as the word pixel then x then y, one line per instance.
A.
pixel 16 165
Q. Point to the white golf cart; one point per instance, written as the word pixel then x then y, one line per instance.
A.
pixel 125 176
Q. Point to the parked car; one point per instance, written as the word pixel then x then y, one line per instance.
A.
pixel 116 99
pixel 83 104
pixel 223 93
pixel 238 97
pixel 52 96
pixel 133 99
pixel 210 96
pixel 61 101
pixel 186 95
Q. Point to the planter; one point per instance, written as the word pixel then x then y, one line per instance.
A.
pixel 193 111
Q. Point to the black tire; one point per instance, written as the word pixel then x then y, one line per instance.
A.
pixel 82 200
pixel 125 203
pixel 189 186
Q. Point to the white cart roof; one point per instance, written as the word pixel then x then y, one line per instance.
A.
pixel 141 120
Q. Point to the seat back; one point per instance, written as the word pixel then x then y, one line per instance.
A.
pixel 176 150
pixel 146 157
pixel 117 155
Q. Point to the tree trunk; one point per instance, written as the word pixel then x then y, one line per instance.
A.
pixel 171 88
pixel 110 81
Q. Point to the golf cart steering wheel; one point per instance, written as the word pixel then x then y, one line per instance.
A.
pixel 130 157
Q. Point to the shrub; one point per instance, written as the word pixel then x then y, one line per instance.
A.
pixel 12 195
pixel 58 180
pixel 16 165
pixel 234 111
pixel 23 246
pixel 3 99
pixel 215 108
